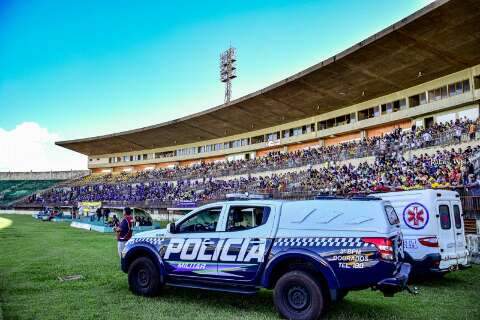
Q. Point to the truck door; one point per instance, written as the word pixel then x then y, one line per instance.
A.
pixel 459 228
pixel 446 234
pixel 190 251
pixel 247 239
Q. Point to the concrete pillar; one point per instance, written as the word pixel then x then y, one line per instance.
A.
pixel 363 134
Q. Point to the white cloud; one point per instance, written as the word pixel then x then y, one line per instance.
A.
pixel 31 147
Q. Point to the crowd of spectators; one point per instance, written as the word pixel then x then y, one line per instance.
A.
pixel 393 169
pixel 396 142
pixel 390 172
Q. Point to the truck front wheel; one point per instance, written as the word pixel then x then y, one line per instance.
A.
pixel 297 295
pixel 143 277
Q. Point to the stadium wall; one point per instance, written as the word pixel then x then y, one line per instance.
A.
pixel 50 175
pixel 342 138
pixel 18 211
pixel 304 145
pixel 379 131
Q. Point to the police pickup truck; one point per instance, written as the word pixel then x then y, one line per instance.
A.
pixel 311 253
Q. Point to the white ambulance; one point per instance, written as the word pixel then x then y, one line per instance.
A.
pixel 433 229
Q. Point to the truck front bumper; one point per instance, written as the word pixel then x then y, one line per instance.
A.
pixel 123 265
pixel 397 283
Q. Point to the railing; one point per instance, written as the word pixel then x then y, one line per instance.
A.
pixel 470 204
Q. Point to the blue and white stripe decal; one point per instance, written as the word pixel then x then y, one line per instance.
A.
pixel 321 242
pixel 152 240
pixel 289 242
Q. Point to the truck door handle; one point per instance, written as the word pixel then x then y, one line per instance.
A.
pixel 255 241
pixel 208 243
pixel 459 233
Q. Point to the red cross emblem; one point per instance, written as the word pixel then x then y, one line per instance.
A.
pixel 415 216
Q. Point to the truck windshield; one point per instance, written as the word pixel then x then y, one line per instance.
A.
pixel 391 215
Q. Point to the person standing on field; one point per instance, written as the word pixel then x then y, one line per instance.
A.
pixel 98 212
pixel 124 230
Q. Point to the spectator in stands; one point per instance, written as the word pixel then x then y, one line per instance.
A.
pixel 472 131
pixel 458 133
pixel 124 230
pixel 473 185
pixel 427 138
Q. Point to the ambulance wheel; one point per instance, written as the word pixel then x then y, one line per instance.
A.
pixel 298 296
pixel 144 278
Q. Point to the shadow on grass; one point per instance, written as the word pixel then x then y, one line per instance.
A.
pixel 263 303
pixel 435 281
pixel 349 309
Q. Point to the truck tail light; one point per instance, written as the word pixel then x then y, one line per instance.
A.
pixel 383 245
pixel 431 242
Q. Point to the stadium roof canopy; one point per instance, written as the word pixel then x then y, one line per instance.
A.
pixel 437 40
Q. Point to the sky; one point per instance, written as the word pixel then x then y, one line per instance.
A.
pixel 75 69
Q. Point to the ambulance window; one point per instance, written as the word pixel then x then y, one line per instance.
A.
pixel 391 215
pixel 203 221
pixel 245 217
pixel 445 221
pixel 457 216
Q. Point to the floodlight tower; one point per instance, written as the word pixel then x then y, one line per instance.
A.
pixel 228 70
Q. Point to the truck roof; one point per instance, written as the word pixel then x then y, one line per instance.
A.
pixel 326 199
pixel 243 202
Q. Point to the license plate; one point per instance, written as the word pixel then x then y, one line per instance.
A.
pixel 410 244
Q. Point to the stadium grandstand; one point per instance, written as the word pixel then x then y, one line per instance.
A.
pixel 23 186
pixel 396 111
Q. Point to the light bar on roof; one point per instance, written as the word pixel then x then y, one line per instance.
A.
pixel 245 196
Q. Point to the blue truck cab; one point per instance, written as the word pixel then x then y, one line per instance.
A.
pixel 311 253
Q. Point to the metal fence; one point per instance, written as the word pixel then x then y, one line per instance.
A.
pixel 471 206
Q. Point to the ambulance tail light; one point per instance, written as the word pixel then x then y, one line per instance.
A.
pixel 383 245
pixel 431 242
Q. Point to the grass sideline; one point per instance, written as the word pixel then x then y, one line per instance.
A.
pixel 34 253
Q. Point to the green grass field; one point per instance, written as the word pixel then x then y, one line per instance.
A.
pixel 34 253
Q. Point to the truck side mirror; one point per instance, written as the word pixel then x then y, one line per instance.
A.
pixel 171 227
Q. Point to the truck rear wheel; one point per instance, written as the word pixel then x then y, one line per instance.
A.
pixel 298 296
pixel 143 277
